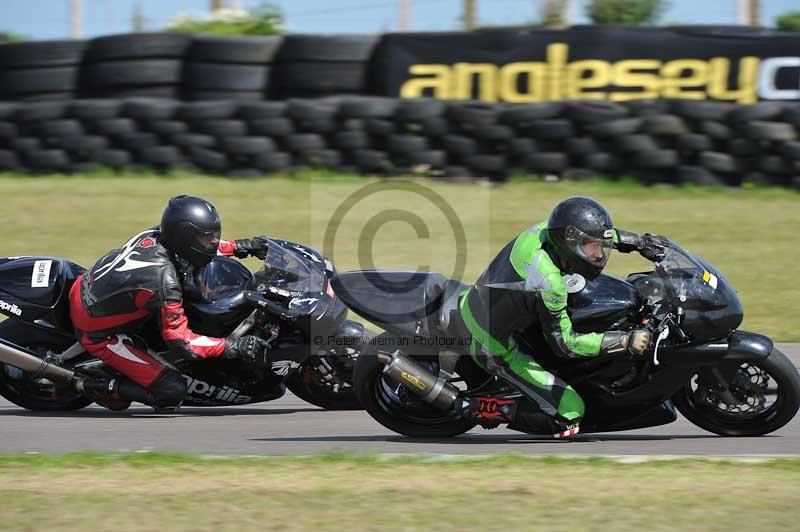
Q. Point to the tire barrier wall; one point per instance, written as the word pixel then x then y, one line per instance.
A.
pixel 655 141
pixel 508 65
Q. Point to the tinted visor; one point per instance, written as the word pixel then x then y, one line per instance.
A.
pixel 208 242
pixel 589 248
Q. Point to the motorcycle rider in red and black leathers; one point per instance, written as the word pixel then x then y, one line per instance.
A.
pixel 139 286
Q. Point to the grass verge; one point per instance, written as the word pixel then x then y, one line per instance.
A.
pixel 350 492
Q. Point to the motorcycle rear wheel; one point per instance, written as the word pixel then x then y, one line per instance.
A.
pixel 397 410
pixel 40 395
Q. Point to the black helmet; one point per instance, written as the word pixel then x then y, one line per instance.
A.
pixel 580 230
pixel 190 228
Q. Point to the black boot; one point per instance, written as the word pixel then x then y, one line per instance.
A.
pixel 528 418
pixel 105 392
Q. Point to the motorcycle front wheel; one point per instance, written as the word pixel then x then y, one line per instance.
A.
pixel 766 393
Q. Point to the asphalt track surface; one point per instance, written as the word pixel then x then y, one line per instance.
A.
pixel 291 426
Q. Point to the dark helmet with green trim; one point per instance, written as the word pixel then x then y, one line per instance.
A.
pixel 580 232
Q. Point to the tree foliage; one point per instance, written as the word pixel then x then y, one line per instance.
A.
pixel 788 21
pixel 266 19
pixel 625 12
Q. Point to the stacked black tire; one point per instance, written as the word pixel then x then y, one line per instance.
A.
pixel 229 68
pixel 134 64
pixel 313 66
pixel 45 70
pixel 658 141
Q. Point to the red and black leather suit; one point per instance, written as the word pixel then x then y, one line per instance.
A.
pixel 128 289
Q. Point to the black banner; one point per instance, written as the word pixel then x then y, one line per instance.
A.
pixel 591 62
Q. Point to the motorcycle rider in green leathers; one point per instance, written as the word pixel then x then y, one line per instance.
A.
pixel 525 284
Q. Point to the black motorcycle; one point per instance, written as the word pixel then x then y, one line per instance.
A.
pixel 288 302
pixel 413 377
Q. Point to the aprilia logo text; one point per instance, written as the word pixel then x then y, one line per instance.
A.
pixel 13 309
pixel 204 393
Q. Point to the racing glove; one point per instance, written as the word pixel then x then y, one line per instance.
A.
pixel 251 247
pixel 635 342
pixel 251 349
pixel 653 247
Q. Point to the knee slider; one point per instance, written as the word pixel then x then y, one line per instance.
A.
pixel 168 389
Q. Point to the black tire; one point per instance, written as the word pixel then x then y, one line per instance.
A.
pixel 32 81
pixel 432 158
pixel 580 146
pixel 300 47
pixel 614 128
pixel 520 147
pixel 272 127
pixel 60 128
pixel 94 109
pixel 756 111
pixel 47 96
pixel 602 161
pixel 138 45
pixel 137 142
pixel 188 140
pixel 153 91
pixel 770 131
pixel 310 109
pixel 636 143
pixel 114 158
pixel 656 159
pixel 744 148
pixel 149 109
pixel 214 76
pixel 516 115
pixel 259 110
pixel 781 369
pixel 551 129
pixel 702 110
pixel 595 111
pixel 235 96
pixel 379 128
pixel 647 107
pixel 774 165
pixel 551 162
pixel 206 110
pixel 473 115
pixel 8 110
pixel 418 109
pixel 305 142
pixel 406 144
pixel 29 395
pixel 351 140
pixel 246 145
pixel 8 131
pixel 435 127
pixel 208 159
pixel 495 133
pixel 328 77
pixel 697 175
pixel 371 160
pixel 23 145
pixel 41 53
pixel 695 142
pixel 791 150
pixel 86 147
pixel 321 124
pixel 165 127
pixel 272 162
pixel 48 160
pixel 40 111
pixel 367 107
pixel 716 130
pixel 161 156
pixel 220 127
pixel 389 409
pixel 114 126
pixel 486 164
pixel 233 49
pixel 461 147
pixel 140 72
pixel 719 162
pixel 664 125
pixel 9 161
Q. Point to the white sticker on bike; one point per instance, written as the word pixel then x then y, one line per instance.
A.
pixel 40 277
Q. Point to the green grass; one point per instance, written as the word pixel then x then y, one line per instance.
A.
pixel 750 234
pixel 352 492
